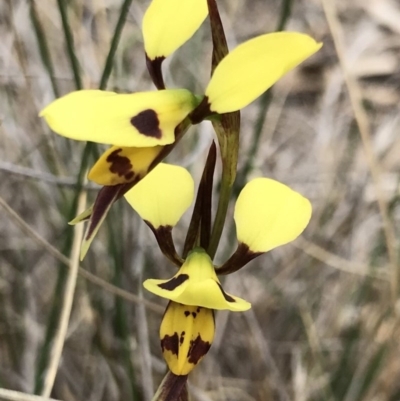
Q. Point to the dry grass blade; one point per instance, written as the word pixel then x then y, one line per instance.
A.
pixel 66 261
pixel 11 395
pixel 337 262
pixel 69 291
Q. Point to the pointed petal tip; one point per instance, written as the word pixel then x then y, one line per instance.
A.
pixel 84 249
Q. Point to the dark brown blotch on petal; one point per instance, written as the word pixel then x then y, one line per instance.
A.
pixel 170 343
pixel 187 313
pixel 198 348
pixel 147 123
pixel 194 314
pixel 175 282
pixel 182 338
pixel 120 165
pixel 226 296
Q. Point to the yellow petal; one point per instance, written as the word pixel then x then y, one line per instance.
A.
pixel 269 214
pixel 197 284
pixel 163 196
pixel 186 335
pixel 254 66
pixel 167 25
pixel 121 165
pixel 139 119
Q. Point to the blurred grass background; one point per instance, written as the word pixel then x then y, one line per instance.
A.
pixel 325 318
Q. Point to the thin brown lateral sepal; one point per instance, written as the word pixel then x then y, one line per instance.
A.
pixel 105 199
pixel 220 46
pixel 240 258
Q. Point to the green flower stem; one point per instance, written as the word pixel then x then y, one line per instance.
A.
pixel 114 44
pixel 43 47
pixel 227 131
pixel 69 39
pixel 223 203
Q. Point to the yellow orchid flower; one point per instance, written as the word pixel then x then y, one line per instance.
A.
pixel 142 127
pixel 267 214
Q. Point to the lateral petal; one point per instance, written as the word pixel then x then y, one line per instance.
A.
pixel 163 196
pixel 269 214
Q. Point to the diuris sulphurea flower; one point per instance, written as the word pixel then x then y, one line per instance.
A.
pixel 267 214
pixel 144 127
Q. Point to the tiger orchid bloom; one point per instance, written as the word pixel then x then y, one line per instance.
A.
pixel 267 214
pixel 144 127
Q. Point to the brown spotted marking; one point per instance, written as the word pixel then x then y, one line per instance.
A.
pixel 187 313
pixel 120 165
pixel 182 338
pixel 198 348
pixel 175 282
pixel 147 123
pixel 170 343
pixel 194 314
pixel 226 296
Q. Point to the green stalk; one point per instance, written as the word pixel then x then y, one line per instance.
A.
pixel 223 203
pixel 228 137
pixel 69 40
pixel 114 44
pixel 43 47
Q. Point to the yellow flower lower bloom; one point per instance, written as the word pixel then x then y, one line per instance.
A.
pixel 186 335
pixel 197 284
